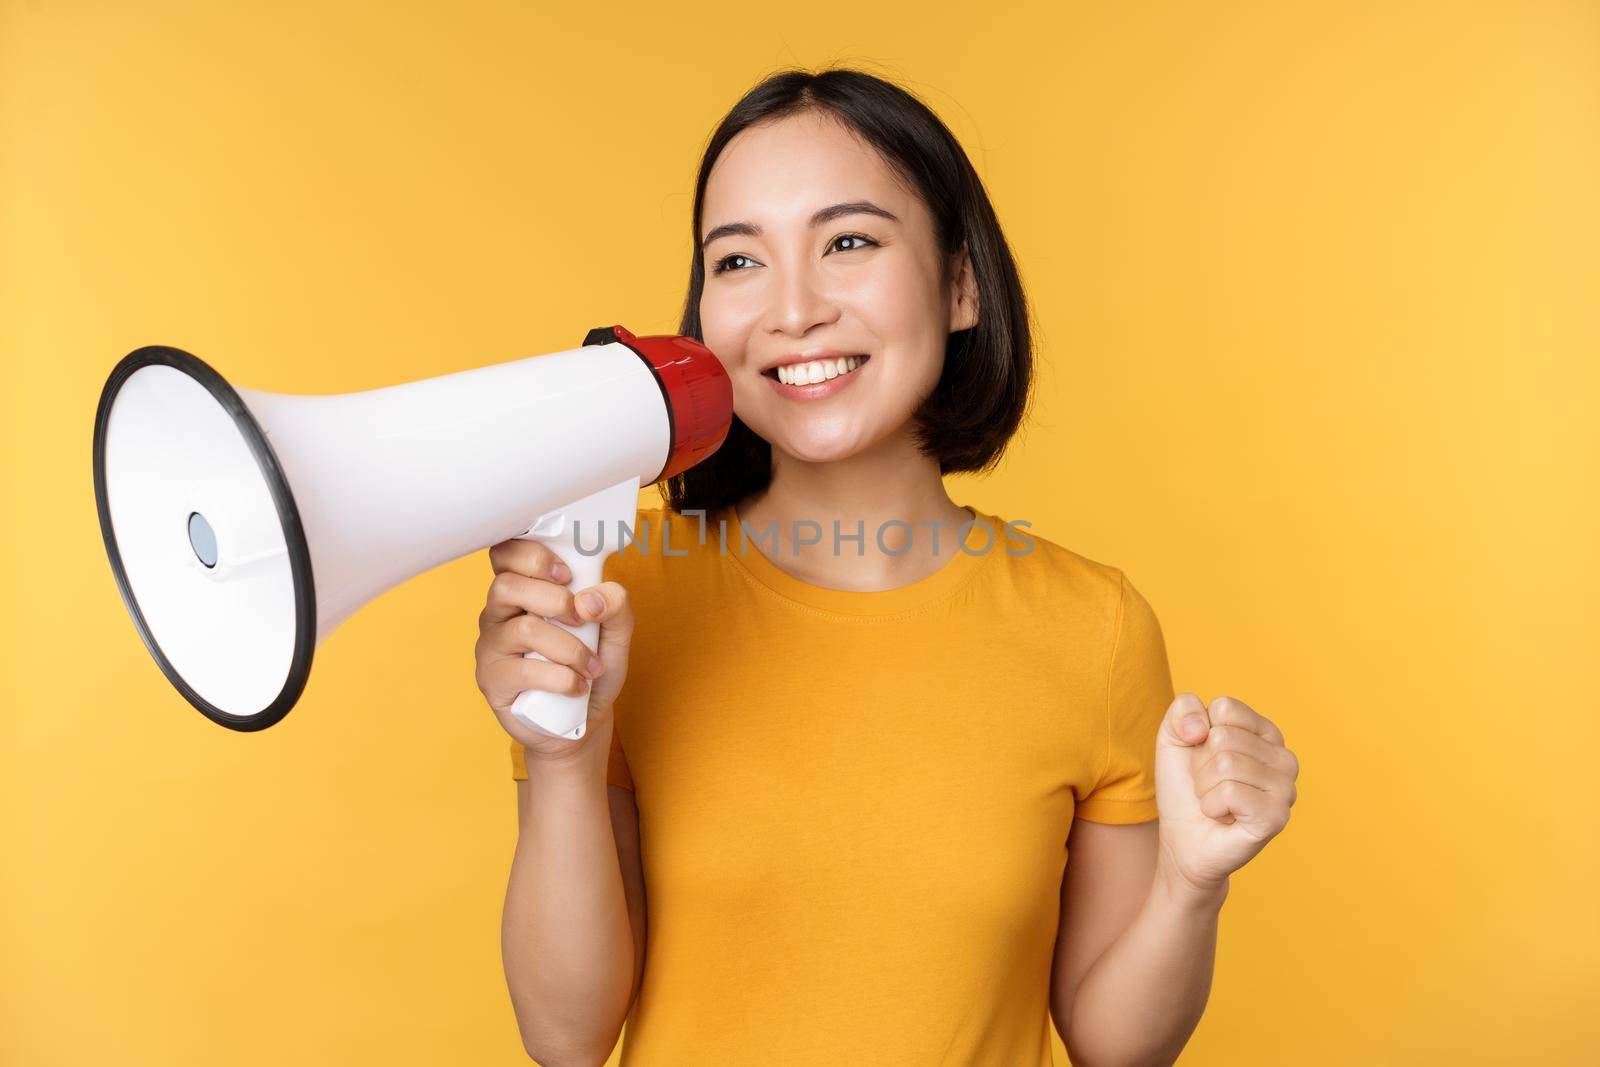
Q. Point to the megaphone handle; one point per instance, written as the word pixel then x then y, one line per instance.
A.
pixel 563 714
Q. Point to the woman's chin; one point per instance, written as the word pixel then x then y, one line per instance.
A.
pixel 817 449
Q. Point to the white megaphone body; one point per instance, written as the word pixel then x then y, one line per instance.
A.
pixel 244 526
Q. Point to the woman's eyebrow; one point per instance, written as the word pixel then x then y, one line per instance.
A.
pixel 827 214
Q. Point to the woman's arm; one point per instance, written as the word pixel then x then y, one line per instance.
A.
pixel 1225 782
pixel 567 935
pixel 1134 950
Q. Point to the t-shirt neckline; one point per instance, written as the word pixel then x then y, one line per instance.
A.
pixel 957 570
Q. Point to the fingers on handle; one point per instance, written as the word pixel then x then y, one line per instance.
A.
pixel 511 593
pixel 524 557
pixel 529 633
pixel 614 612
pixel 503 679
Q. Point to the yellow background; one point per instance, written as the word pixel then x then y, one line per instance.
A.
pixel 1316 289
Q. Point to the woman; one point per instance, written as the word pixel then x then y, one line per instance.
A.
pixel 830 818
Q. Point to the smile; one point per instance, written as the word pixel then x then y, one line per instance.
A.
pixel 816 371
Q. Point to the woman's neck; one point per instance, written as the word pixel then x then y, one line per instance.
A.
pixel 892 483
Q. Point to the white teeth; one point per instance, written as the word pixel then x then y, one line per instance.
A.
pixel 818 370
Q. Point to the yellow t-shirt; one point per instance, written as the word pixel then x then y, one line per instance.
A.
pixel 853 806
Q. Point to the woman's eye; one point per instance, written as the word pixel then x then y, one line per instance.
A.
pixel 851 237
pixel 722 264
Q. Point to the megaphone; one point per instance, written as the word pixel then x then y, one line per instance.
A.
pixel 244 526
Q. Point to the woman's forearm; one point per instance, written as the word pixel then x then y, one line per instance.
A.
pixel 1140 1001
pixel 566 939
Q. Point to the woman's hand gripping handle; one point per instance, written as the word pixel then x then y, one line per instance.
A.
pixel 583 535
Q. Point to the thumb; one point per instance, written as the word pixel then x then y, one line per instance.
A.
pixel 614 613
pixel 1187 722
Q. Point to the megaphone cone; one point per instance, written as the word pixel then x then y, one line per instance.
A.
pixel 243 526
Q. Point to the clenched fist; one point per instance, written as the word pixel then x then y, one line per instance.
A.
pixel 1224 787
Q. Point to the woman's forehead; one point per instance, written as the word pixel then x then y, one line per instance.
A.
pixel 780 172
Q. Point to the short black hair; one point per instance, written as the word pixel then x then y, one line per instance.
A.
pixel 985 388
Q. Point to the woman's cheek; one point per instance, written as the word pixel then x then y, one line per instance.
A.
pixel 892 302
pixel 725 329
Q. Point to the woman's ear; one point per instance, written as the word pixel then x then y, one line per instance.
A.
pixel 963 294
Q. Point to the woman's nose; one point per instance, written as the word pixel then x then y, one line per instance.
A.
pixel 800 302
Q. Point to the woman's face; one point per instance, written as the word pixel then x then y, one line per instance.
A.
pixel 813 251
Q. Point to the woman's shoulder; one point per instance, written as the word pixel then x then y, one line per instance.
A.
pixel 1045 567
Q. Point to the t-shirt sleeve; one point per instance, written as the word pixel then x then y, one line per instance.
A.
pixel 616 764
pixel 1139 691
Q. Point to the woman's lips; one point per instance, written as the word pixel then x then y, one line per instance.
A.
pixel 817 390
